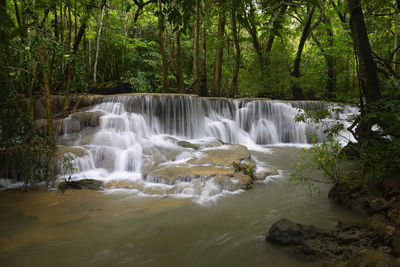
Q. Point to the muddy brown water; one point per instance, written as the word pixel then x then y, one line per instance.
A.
pixel 89 228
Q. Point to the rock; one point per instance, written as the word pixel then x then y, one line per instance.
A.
pixel 89 184
pixel 373 258
pixel 350 196
pixel 111 88
pixel 186 144
pixel 226 183
pixel 348 237
pixel 77 151
pixel 264 172
pixel 377 205
pixel 87 118
pixel 63 150
pixel 223 156
pixel 184 172
pixel 245 181
pixel 57 104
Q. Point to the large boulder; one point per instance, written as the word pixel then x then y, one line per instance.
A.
pixel 341 243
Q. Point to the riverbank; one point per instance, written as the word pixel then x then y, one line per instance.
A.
pixel 376 241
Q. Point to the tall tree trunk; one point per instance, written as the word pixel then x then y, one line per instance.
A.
pixel 235 76
pixel 179 63
pixel 47 90
pixel 162 47
pixel 61 22
pixel 96 58
pixel 69 71
pixel 196 86
pixel 396 36
pixel 55 22
pixel 275 27
pixel 330 63
pixel 216 85
pixel 366 66
pixel 296 90
pixel 75 19
pixel 69 27
pixel 203 78
pixel 362 47
pixel 17 14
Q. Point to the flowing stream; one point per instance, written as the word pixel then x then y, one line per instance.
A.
pixel 144 218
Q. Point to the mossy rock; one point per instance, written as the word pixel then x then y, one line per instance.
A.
pixel 88 184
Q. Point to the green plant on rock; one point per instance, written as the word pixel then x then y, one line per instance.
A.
pixel 68 163
pixel 324 155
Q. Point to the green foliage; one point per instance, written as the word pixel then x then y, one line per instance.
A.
pixel 324 155
pixel 68 163
pixel 25 151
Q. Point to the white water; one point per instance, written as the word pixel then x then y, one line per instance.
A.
pixel 138 133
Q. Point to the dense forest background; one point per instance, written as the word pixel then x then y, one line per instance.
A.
pixel 337 50
pixel 280 49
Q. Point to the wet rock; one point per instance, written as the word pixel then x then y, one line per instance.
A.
pixel 226 183
pixel 76 151
pixel 224 156
pixel 185 172
pixel 76 102
pixel 264 172
pixel 245 181
pixel 87 118
pixel 89 184
pixel 186 144
pixel 348 237
pixel 350 196
pixel 373 258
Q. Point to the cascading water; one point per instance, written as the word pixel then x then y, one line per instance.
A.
pixel 140 133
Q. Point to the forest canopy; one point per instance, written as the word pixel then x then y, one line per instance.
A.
pixel 278 49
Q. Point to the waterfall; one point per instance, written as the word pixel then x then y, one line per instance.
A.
pixel 125 137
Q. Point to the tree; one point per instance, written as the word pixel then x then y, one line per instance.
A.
pixel 216 85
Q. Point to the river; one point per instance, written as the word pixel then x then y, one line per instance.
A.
pixel 122 228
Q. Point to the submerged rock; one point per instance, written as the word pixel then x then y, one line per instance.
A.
pixel 89 184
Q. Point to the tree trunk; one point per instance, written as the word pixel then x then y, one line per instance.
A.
pixel 196 49
pixel 366 67
pixel 396 36
pixel 47 90
pixel 275 27
pixel 55 22
pixel 362 47
pixel 61 22
pixel 330 62
pixel 179 63
pixel 216 85
pixel 296 90
pixel 98 43
pixel 162 48
pixel 235 76
pixel 69 71
pixel 203 78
